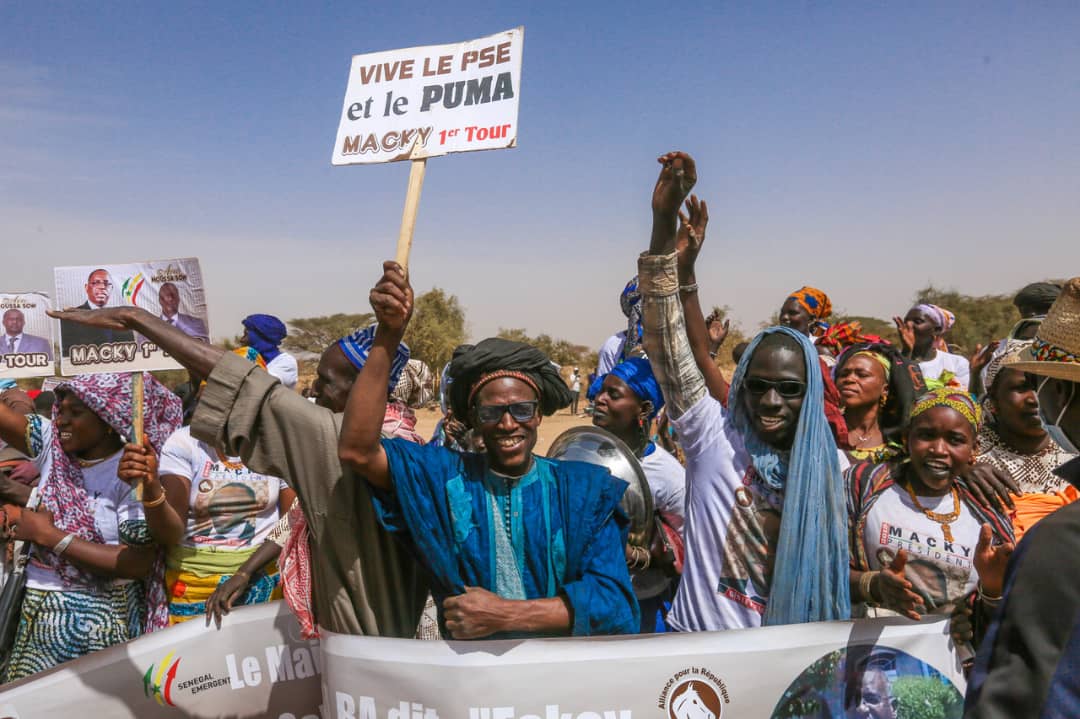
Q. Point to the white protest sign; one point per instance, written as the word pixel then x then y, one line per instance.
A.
pixel 26 339
pixel 443 98
pixel 170 289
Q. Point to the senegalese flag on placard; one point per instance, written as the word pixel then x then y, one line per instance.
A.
pixel 130 289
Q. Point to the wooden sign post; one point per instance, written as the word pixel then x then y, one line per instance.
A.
pixel 137 409
pixel 408 215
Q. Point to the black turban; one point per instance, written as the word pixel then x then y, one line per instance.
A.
pixel 472 362
pixel 1038 296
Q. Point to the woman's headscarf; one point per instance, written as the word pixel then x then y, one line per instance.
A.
pixel 630 302
pixel 638 375
pixel 475 366
pixel 817 304
pixel 63 492
pixel 842 335
pixel 358 345
pixel 265 333
pixel 962 402
pixel 810 578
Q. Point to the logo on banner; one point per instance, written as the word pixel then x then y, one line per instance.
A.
pixel 152 680
pixel 694 693
pixel 130 288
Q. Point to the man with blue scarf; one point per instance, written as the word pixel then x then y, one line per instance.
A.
pixel 766 531
pixel 265 333
pixel 516 545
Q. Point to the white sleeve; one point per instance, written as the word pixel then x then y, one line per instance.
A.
pixel 701 426
pixel 963 372
pixel 178 456
pixel 284 367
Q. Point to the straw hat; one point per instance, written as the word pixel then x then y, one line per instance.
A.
pixel 1055 351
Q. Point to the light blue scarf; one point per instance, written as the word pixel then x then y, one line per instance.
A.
pixel 810 579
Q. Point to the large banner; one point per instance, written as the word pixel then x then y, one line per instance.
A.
pixel 442 98
pixel 864 668
pixel 257 666
pixel 26 340
pixel 170 289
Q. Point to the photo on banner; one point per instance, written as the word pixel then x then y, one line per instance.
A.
pixel 169 289
pixel 26 344
pixel 440 98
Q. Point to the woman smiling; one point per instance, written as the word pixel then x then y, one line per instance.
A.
pixel 920 541
pixel 91 544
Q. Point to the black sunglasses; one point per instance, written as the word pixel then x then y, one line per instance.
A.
pixel 785 387
pixel 520 411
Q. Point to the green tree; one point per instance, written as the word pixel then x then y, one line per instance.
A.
pixel 561 352
pixel 436 329
pixel 926 698
pixel 315 334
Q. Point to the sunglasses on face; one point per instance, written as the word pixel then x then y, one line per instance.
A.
pixel 785 387
pixel 519 411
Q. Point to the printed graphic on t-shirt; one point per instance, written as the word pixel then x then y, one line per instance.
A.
pixel 226 505
pixel 750 546
pixel 939 571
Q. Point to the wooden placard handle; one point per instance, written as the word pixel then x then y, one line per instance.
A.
pixel 137 405
pixel 408 216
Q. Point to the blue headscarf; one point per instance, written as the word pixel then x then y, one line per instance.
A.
pixel 810 578
pixel 265 333
pixel 358 345
pixel 637 373
pixel 7 383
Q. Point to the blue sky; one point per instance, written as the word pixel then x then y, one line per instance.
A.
pixel 864 148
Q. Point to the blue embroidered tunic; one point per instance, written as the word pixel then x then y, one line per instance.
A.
pixel 557 531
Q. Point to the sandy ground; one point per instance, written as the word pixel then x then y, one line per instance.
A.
pixel 550 428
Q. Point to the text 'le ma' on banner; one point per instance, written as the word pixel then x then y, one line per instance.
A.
pixel 428 101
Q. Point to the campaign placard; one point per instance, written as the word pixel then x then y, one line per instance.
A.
pixel 170 289
pixel 26 342
pixel 439 98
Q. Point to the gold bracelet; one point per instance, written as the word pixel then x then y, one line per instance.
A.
pixel 155 502
pixel 864 586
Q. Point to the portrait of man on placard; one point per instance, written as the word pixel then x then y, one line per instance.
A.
pixel 99 286
pixel 15 341
pixel 169 300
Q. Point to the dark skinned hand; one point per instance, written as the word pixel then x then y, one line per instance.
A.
pixel 691 235
pixel 677 177
pixel 991 486
pixel 906 330
pixel 392 298
pixel 982 356
pixel 138 463
pixel 475 614
pixel 27 524
pixel 960 626
pixel 990 561
pixel 718 331
pixel 893 591
pixel 226 593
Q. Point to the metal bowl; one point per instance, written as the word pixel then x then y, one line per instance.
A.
pixel 598 446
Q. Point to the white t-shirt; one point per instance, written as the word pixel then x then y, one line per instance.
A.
pixel 944 361
pixel 940 572
pixel 667 480
pixel 230 507
pixel 610 353
pixel 285 369
pixel 732 526
pixel 112 501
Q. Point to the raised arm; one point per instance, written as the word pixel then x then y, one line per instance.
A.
pixel 359 445
pixel 664 326
pixel 688 244
pixel 197 357
pixel 13 428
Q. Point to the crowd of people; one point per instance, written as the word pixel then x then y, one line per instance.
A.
pixel 834 474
